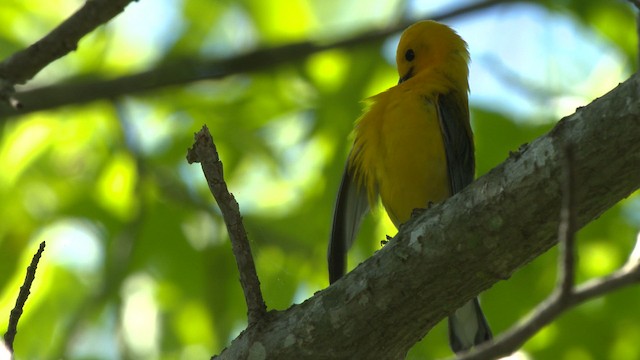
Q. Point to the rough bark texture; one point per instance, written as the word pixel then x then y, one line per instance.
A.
pixel 455 250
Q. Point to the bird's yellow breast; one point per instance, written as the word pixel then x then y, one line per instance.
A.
pixel 398 149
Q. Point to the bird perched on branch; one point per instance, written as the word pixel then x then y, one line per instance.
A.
pixel 413 146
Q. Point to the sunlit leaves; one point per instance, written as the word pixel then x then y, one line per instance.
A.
pixel 138 257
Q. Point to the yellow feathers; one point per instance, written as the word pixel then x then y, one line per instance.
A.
pixel 398 150
pixel 413 146
pixel 433 47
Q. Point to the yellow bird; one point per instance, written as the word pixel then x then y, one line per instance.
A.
pixel 413 146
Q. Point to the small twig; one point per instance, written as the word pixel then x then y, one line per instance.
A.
pixel 565 295
pixel 204 152
pixel 25 290
pixel 567 228
pixel 549 310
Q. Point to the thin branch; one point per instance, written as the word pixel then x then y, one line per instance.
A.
pixel 25 290
pixel 204 152
pixel 564 296
pixel 25 64
pixel 550 309
pixel 188 70
pixel 531 88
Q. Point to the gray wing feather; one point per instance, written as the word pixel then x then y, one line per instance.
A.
pixel 458 143
pixel 351 206
pixel 467 326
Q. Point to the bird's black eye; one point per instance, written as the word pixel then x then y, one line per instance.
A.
pixel 409 55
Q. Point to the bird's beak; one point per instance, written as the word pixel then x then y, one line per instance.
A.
pixel 406 76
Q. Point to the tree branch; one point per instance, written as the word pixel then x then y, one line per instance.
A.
pixel 204 152
pixel 23 295
pixel 550 309
pixel 188 70
pixel 23 65
pixel 564 296
pixel 443 259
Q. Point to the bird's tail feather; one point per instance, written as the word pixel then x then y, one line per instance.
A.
pixel 468 327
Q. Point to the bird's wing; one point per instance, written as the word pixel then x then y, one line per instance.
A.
pixel 467 326
pixel 458 141
pixel 351 206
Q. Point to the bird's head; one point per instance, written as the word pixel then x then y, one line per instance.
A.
pixel 428 45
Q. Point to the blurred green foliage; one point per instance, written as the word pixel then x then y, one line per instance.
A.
pixel 138 263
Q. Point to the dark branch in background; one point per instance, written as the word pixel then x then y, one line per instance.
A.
pixel 565 296
pixel 25 290
pixel 23 65
pixel 204 152
pixel 187 70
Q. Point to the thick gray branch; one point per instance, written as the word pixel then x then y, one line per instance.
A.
pixel 453 251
